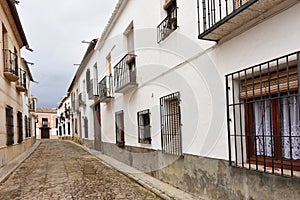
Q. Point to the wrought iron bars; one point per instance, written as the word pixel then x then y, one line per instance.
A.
pixel 167 26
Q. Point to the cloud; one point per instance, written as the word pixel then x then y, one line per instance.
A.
pixel 55 29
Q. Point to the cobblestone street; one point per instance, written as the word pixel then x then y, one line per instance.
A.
pixel 62 170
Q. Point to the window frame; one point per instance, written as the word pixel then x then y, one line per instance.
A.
pixel 9 125
pixel 142 127
pixel 276 81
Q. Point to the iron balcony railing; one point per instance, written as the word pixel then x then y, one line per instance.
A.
pixel 217 12
pixel 93 89
pixel 10 62
pixel 263 115
pixel 81 99
pixel 22 80
pixel 32 105
pixel 125 73
pixel 106 88
pixel 167 26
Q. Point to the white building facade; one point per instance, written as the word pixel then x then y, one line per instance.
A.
pixel 200 94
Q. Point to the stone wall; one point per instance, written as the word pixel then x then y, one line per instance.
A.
pixel 205 177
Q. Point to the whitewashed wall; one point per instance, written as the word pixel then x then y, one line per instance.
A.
pixel 161 70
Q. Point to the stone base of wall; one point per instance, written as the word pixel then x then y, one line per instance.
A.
pixel 206 177
pixel 8 153
pixel 88 143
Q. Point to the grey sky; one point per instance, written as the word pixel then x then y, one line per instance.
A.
pixel 54 30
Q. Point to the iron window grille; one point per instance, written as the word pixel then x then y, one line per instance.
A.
pixel 20 127
pixel 9 126
pixel 120 133
pixel 11 62
pixel 144 128
pixel 263 116
pixel 171 136
pixel 168 25
pixel 125 72
pixel 217 12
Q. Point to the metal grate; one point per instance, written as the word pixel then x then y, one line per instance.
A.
pixel 22 80
pixel 9 125
pixel 20 127
pixel 171 124
pixel 167 26
pixel 263 116
pixel 144 127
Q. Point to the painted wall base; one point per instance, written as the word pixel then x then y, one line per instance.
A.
pixel 206 177
pixel 9 153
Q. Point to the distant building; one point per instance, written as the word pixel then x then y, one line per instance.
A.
pixel 65 119
pixel 47 123
pixel 17 113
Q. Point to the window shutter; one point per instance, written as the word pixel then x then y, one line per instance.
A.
pixel 273 84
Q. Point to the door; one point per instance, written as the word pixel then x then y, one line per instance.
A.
pixel 120 135
pixel 97 125
pixel 45 133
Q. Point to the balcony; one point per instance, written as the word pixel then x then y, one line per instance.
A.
pixel 81 99
pixel 21 84
pixel 93 89
pixel 218 19
pixel 167 26
pixel 106 89
pixel 32 105
pixel 10 65
pixel 125 74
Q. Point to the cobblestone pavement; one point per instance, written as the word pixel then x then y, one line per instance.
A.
pixel 61 170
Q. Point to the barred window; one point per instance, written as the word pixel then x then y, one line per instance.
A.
pixel 264 116
pixel 171 124
pixel 9 125
pixel 20 127
pixel 120 134
pixel 26 127
pixel 144 127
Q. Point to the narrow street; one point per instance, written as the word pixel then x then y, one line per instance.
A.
pixel 62 170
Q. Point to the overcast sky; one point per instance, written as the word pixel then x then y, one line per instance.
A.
pixel 54 30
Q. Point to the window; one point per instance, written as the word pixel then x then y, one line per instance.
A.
pixel 26 121
pixel 69 128
pixel 45 122
pixel 86 127
pixel 171 124
pixel 144 127
pixel 88 78
pixel 120 134
pixel 264 117
pixel 129 36
pixel 20 127
pixel 9 125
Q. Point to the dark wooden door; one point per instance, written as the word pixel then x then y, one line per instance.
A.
pixel 45 133
pixel 97 125
pixel 120 135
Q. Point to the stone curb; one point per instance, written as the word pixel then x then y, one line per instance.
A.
pixel 11 166
pixel 165 191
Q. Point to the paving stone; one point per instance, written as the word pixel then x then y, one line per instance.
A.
pixel 62 170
